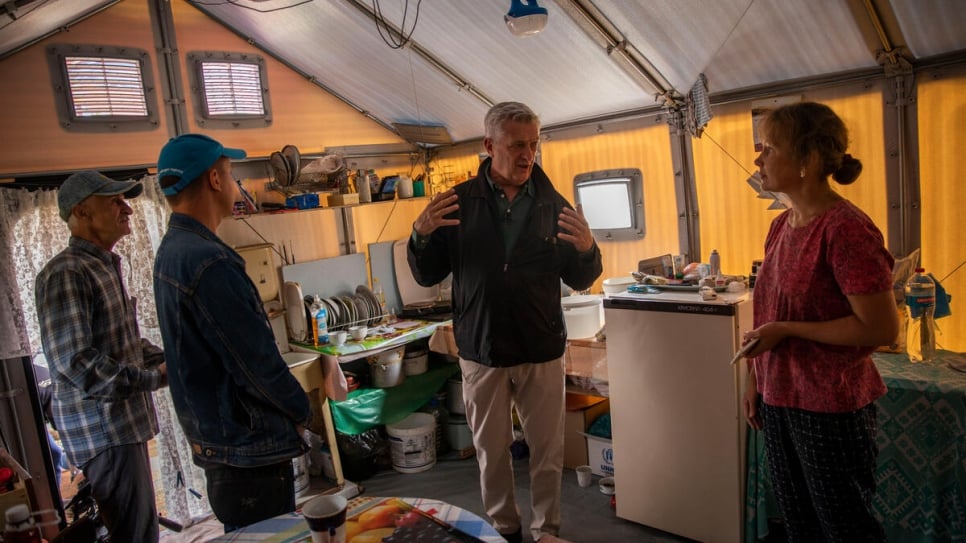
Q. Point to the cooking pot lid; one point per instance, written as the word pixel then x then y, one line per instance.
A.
pixel 294 311
pixel 580 300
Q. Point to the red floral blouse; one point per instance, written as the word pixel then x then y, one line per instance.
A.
pixel 806 275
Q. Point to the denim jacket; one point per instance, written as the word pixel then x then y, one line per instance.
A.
pixel 236 399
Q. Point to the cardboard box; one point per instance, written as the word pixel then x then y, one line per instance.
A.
pixel 343 199
pixel 582 410
pixel 600 454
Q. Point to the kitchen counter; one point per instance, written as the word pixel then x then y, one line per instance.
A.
pixel 385 337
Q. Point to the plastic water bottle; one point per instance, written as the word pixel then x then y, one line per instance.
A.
pixel 921 304
pixel 320 326
pixel 363 187
pixel 20 526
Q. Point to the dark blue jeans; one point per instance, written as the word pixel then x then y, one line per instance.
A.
pixel 120 479
pixel 243 496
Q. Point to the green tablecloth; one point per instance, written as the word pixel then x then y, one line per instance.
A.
pixel 921 474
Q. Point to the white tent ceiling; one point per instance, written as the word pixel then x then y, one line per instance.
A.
pixel 595 58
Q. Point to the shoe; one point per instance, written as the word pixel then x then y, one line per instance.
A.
pixel 515 537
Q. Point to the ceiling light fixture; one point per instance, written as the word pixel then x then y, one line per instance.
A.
pixel 525 18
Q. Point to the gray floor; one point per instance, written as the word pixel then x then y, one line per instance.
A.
pixel 587 514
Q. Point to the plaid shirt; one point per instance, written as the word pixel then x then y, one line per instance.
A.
pixel 103 372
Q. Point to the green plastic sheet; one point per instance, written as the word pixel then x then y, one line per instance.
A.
pixel 366 408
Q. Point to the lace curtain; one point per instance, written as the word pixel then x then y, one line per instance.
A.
pixel 31 233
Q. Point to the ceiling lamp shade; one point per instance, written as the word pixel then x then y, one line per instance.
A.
pixel 525 18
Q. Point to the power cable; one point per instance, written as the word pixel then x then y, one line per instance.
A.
pixel 381 24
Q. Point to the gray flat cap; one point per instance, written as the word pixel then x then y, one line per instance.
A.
pixel 81 185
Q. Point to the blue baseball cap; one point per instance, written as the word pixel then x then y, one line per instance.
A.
pixel 188 156
pixel 81 185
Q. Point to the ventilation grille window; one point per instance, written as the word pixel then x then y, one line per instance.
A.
pixel 106 87
pixel 103 88
pixel 232 89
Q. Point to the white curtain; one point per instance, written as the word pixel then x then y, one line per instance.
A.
pixel 31 233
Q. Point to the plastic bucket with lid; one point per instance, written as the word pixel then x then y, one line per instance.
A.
pixel 583 314
pixel 416 362
pixel 412 443
pixel 458 432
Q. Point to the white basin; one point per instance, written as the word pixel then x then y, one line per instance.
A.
pixel 294 359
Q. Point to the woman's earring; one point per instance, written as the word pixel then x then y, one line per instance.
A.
pixel 802 173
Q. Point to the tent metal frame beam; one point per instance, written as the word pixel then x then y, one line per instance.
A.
pixel 622 52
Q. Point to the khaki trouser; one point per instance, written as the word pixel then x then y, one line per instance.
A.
pixel 537 392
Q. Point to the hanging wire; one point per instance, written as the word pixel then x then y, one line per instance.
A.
pixel 729 155
pixel 954 270
pixel 237 3
pixel 274 248
pixel 381 24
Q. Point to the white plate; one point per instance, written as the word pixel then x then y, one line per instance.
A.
pixel 294 311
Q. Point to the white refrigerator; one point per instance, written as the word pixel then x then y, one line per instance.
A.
pixel 677 422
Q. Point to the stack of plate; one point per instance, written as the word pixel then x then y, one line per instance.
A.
pixel 286 165
pixel 360 308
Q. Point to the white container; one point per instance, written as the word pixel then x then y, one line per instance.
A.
pixel 615 285
pixel 404 187
pixel 454 396
pixel 412 443
pixel 416 363
pixel 300 468
pixel 583 314
pixel 386 368
pixel 458 433
pixel 600 455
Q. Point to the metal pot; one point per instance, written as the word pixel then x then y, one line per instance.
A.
pixel 386 368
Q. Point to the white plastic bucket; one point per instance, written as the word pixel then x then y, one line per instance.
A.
pixel 416 363
pixel 584 315
pixel 412 443
pixel 300 468
pixel 458 433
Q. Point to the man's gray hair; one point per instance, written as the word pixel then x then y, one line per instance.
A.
pixel 507 111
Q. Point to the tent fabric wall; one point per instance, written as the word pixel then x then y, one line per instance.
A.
pixel 302 114
pixel 35 139
pixel 941 106
pixel 732 219
pixel 647 148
